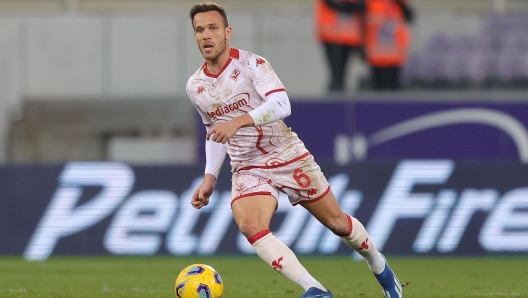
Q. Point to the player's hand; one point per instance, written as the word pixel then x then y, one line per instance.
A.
pixel 200 197
pixel 222 132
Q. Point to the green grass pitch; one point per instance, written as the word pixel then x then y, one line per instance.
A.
pixel 249 277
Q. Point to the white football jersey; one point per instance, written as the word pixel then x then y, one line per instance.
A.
pixel 241 86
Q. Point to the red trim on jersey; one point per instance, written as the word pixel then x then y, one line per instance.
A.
pixel 275 166
pixel 235 54
pixel 260 135
pixel 273 91
pixel 204 68
pixel 316 199
pixel 258 236
pixel 261 193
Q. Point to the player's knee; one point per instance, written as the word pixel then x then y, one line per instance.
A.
pixel 249 228
pixel 338 226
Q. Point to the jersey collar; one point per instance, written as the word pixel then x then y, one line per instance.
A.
pixel 235 54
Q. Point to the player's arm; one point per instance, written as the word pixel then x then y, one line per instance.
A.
pixel 275 107
pixel 215 154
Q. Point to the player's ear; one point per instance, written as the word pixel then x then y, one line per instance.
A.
pixel 229 30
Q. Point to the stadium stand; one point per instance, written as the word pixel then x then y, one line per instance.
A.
pixel 495 57
pixel 61 93
pixel 106 6
pixel 83 129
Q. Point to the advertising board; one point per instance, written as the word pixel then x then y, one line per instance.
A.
pixel 410 207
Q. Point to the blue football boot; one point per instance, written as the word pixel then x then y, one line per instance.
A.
pixel 390 284
pixel 317 293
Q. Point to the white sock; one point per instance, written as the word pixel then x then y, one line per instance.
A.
pixel 307 281
pixel 376 263
pixel 359 240
pixel 281 258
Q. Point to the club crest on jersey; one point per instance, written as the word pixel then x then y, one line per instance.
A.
pixel 234 103
pixel 235 74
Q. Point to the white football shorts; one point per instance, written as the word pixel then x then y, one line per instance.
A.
pixel 300 178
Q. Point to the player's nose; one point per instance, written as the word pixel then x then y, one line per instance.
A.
pixel 206 34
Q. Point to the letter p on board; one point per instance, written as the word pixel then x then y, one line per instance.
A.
pixel 63 217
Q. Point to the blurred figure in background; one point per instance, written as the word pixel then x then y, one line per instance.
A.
pixel 339 29
pixel 387 40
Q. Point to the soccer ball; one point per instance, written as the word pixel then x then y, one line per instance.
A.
pixel 199 281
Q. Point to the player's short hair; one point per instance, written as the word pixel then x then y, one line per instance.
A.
pixel 208 6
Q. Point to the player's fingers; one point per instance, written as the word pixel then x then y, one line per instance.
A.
pixel 196 200
pixel 201 195
pixel 217 137
pixel 195 196
pixel 208 135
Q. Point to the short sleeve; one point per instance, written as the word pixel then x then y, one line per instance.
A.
pixel 265 80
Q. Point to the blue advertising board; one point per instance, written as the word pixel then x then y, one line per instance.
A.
pixel 342 132
pixel 410 207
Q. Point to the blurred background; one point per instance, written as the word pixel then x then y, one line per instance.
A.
pixel 92 93
pixel 105 79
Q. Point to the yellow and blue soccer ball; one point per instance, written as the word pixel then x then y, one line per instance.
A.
pixel 199 281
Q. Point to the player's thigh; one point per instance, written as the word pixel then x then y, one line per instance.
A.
pixel 302 181
pixel 253 214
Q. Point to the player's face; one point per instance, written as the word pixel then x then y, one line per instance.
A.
pixel 211 35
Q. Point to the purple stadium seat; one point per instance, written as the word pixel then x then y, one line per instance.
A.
pixel 432 66
pixel 410 73
pixel 515 41
pixel 524 68
pixel 458 60
pixel 438 43
pixel 481 66
pixel 432 69
pixel 512 68
pixel 515 23
pixel 492 23
pixel 507 66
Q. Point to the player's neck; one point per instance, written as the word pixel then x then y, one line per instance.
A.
pixel 215 66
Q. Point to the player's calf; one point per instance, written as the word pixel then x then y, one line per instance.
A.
pixel 359 240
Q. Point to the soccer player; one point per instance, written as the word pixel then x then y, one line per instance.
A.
pixel 242 103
